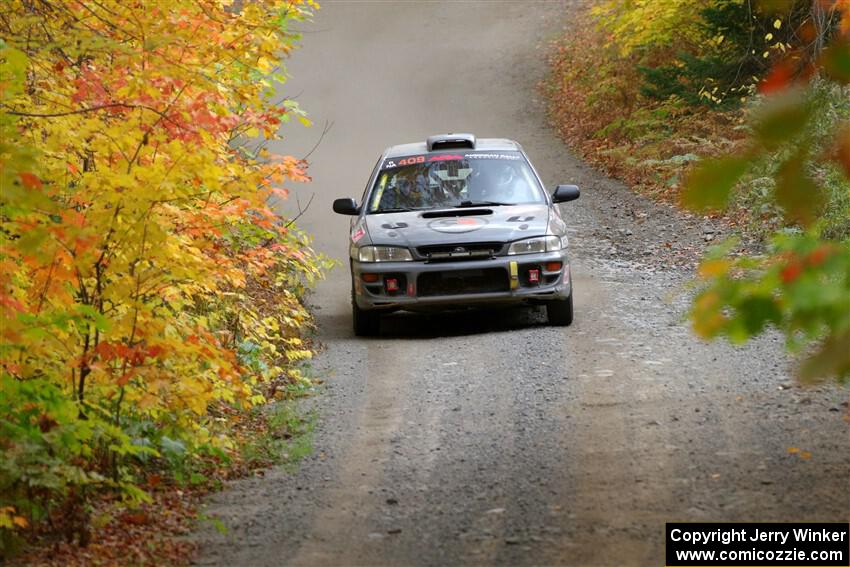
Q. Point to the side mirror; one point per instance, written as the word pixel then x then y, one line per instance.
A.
pixel 346 206
pixel 564 193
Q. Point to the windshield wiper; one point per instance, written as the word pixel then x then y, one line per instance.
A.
pixel 395 210
pixel 483 204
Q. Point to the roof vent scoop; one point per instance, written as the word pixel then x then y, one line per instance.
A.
pixel 451 141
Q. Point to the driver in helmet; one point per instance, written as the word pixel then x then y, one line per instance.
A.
pixel 406 194
pixel 493 181
pixel 401 194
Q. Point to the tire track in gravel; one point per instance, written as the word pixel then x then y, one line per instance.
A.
pixel 361 467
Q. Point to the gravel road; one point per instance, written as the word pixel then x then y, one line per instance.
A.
pixel 490 438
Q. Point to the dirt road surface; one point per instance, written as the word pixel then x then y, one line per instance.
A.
pixel 490 438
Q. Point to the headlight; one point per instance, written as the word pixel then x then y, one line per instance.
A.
pixel 535 245
pixel 383 254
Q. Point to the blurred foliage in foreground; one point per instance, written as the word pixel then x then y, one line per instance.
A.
pixel 755 93
pixel 802 284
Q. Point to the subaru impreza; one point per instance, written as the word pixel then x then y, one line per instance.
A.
pixel 455 222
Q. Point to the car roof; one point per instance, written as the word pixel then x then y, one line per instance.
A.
pixel 481 144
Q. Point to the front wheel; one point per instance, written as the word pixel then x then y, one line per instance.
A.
pixel 366 323
pixel 560 313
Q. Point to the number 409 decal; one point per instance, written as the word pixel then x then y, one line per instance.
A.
pixel 412 160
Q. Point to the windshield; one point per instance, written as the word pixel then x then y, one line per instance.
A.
pixel 454 180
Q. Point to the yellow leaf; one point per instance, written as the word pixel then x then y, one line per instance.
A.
pixel 777 24
pixel 265 65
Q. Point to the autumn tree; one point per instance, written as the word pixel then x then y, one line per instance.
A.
pixel 134 201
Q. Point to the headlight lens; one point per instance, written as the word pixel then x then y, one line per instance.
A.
pixel 535 245
pixel 383 254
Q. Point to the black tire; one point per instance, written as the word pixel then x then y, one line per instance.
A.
pixel 560 313
pixel 366 323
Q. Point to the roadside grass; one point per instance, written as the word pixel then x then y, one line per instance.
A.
pixel 286 438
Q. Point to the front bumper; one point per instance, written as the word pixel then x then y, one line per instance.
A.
pixel 452 284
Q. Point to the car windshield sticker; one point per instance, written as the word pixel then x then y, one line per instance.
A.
pixel 393 163
pixel 379 191
pixel 492 156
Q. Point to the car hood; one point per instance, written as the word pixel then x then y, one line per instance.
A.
pixel 458 226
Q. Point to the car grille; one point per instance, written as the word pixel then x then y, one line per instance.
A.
pixel 459 252
pixel 459 282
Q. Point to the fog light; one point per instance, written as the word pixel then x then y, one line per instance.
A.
pixel 392 284
pixel 370 278
pixel 553 266
pixel 534 276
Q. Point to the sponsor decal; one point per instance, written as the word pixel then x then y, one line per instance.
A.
pixel 399 162
pixel 456 225
pixel 445 157
pixel 357 234
pixel 414 160
pixel 492 156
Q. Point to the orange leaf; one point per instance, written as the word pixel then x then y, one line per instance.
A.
pixel 139 518
pixel 20 521
pixel 819 255
pixel 791 272
pixel 778 79
pixel 122 381
pixel 30 180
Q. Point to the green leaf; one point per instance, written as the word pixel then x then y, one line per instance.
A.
pixel 781 121
pixel 836 62
pixel 833 358
pixel 797 193
pixel 709 185
pixel 757 311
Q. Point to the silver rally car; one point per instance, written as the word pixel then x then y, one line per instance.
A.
pixel 453 222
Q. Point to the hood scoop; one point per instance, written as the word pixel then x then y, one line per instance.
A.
pixel 457 213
